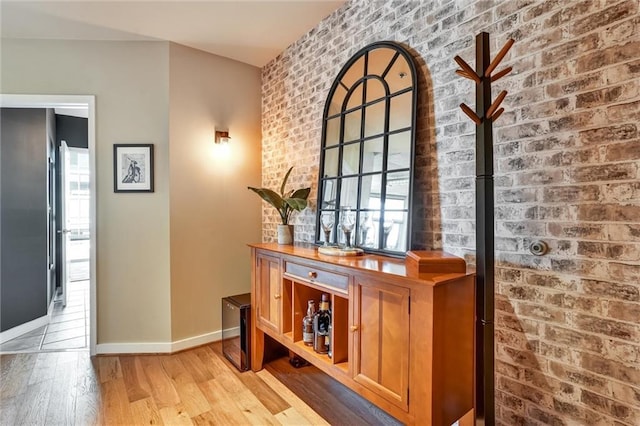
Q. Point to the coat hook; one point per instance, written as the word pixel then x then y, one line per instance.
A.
pixel 497 114
pixel 499 57
pixel 472 115
pixel 464 74
pixel 496 103
pixel 501 74
pixel 467 69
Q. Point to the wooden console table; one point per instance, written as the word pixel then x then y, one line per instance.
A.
pixel 402 330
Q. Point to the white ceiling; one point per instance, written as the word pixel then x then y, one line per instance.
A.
pixel 253 32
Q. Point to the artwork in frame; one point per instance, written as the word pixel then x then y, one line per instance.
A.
pixel 133 168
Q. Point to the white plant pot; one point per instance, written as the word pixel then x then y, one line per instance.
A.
pixel 285 234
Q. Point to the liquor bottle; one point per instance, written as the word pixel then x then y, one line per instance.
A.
pixel 321 326
pixel 307 323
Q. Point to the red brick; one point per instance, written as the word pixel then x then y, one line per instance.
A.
pixel 525 392
pixel 624 232
pixel 513 323
pixel 514 403
pixel 626 393
pixel 572 230
pixel 604 17
pixel 609 134
pixel 545 417
pixel 617 329
pixel 627 352
pixel 553 352
pixel 542 313
pixel 607 96
pixel 624 311
pixel 622 72
pixel 625 272
pixel 551 281
pixel 610 407
pixel 561 335
pixel 608 213
pixel 576 303
pixel 570 194
pixel 512 339
pixel 508 370
pixel 576 84
pixel 569 49
pixel 611 290
pixel 578 376
pixel 622 192
pixel 624 151
pixel 562 141
pixel 624 112
pixel 615 251
pixel 604 57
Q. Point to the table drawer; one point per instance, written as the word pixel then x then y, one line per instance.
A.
pixel 318 276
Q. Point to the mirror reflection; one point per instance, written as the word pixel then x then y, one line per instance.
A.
pixel 367 151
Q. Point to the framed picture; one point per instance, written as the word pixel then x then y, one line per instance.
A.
pixel 133 168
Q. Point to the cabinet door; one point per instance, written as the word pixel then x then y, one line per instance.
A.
pixel 381 339
pixel 268 294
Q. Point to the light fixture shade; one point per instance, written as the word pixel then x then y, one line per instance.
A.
pixel 222 136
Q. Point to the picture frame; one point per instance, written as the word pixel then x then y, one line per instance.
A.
pixel 133 168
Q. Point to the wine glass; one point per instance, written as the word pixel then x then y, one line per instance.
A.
pixel 365 226
pixel 347 222
pixel 387 227
pixel 327 220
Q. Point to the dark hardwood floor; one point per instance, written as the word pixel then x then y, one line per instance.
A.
pixel 337 404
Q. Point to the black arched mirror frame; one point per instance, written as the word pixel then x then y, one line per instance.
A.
pixel 367 150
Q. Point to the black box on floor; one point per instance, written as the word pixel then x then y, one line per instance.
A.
pixel 236 330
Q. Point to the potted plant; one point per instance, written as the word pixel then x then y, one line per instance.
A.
pixel 285 203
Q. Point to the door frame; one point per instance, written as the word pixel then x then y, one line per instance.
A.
pixel 74 101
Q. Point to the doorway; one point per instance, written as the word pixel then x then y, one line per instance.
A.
pixel 74 300
pixel 68 326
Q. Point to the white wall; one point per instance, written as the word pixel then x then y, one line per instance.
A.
pixel 131 83
pixel 213 215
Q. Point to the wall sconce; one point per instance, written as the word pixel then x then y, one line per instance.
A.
pixel 222 137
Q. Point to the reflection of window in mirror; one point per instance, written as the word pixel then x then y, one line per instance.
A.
pixel 368 140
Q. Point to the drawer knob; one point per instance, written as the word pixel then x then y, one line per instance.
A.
pixel 353 328
pixel 313 275
pixel 276 296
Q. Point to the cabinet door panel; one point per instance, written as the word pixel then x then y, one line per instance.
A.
pixel 382 339
pixel 268 289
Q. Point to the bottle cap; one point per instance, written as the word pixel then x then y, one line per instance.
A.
pixel 325 297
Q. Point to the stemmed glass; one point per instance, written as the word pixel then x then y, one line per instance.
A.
pixel 365 226
pixel 327 220
pixel 387 226
pixel 347 222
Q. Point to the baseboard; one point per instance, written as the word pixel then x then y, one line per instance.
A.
pixel 191 342
pixel 133 348
pixel 21 329
pixel 164 347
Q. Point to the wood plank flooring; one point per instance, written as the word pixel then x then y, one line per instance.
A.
pixel 194 387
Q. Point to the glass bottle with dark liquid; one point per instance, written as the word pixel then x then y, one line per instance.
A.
pixel 321 327
pixel 307 323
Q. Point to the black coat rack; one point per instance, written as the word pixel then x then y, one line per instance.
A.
pixel 486 113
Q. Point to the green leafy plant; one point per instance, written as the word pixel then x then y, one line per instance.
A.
pixel 285 202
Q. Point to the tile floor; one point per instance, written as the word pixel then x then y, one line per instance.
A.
pixel 67 330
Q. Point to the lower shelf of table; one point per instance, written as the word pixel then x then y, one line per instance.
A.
pixel 307 352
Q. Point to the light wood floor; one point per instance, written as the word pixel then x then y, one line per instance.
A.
pixel 196 387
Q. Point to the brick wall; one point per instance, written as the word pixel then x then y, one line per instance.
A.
pixel 567 172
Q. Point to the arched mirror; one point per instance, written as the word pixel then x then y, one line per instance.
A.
pixel 367 151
